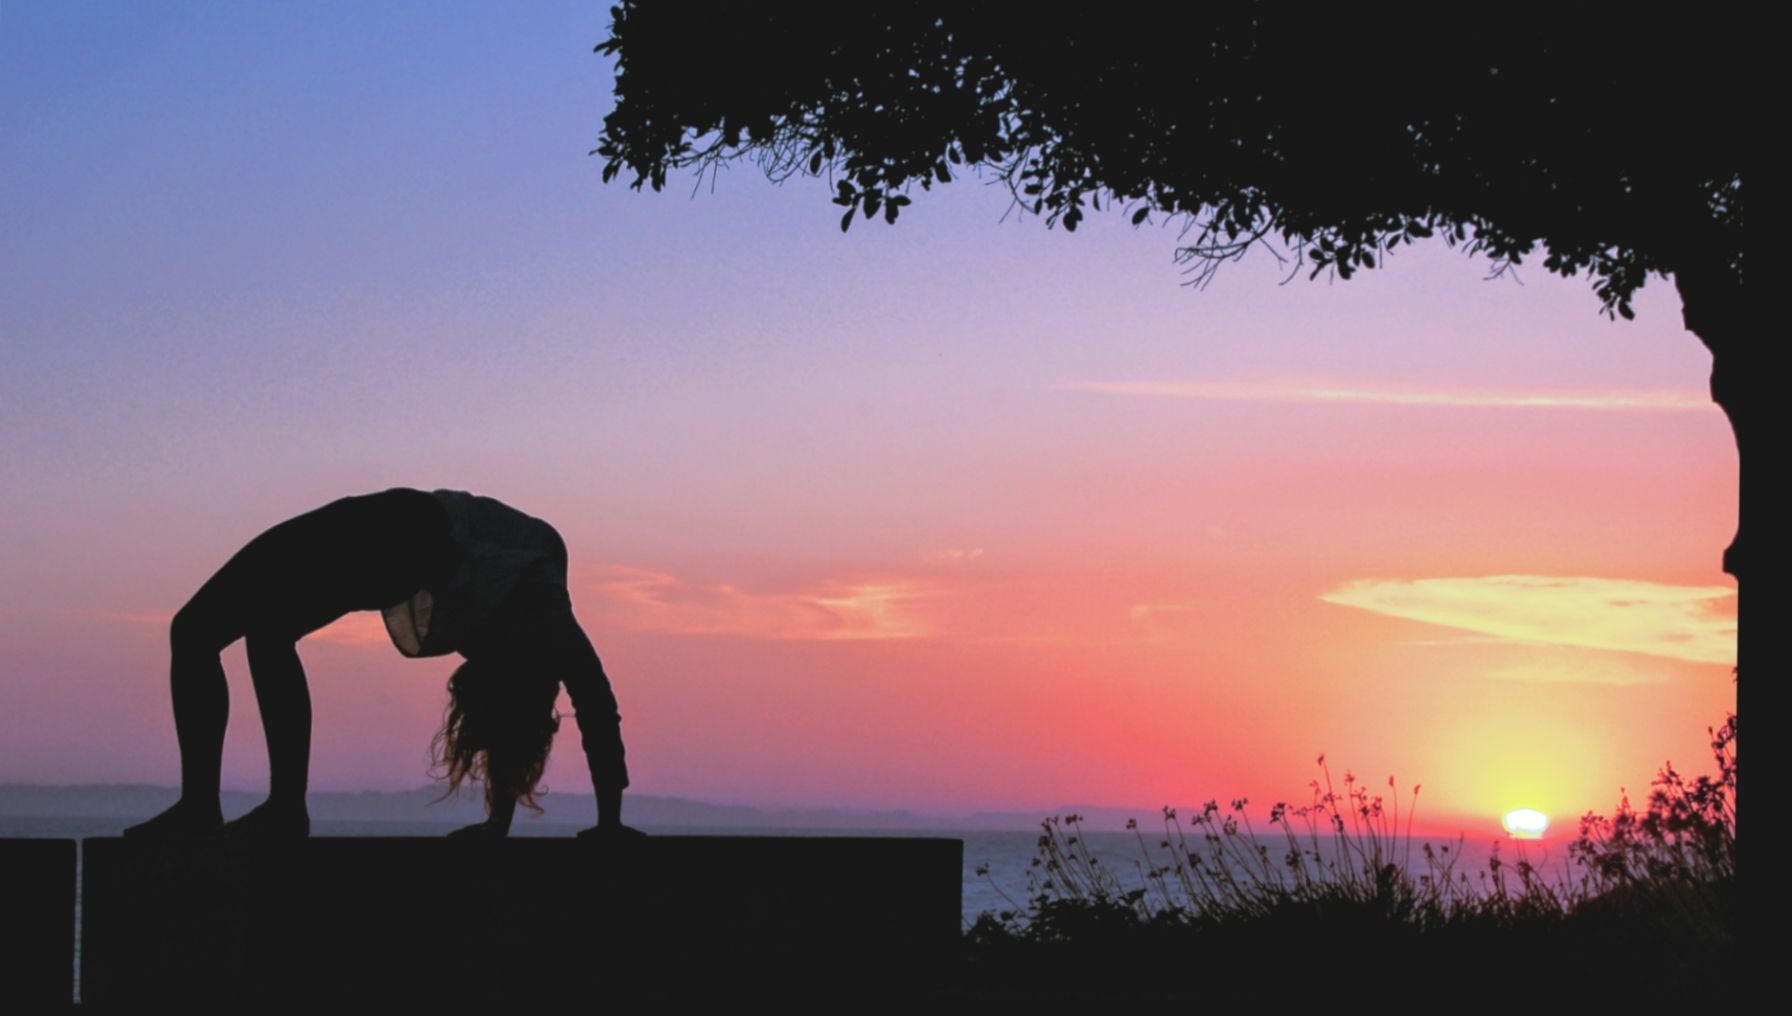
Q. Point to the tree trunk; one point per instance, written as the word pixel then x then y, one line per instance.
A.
pixel 1711 307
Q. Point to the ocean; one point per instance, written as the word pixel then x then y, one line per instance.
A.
pixel 997 863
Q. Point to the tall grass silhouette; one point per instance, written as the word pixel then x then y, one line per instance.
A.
pixel 1342 874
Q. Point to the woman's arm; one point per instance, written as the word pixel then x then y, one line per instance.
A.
pixel 600 734
pixel 600 722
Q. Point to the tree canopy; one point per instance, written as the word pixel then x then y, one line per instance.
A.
pixel 1604 141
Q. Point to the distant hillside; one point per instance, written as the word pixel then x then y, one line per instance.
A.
pixel 136 801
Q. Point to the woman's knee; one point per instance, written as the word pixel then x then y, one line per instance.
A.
pixel 196 631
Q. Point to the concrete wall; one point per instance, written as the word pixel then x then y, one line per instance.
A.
pixel 536 920
pixel 37 924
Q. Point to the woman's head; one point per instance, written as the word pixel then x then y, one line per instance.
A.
pixel 498 727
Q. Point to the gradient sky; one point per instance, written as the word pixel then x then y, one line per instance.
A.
pixel 961 513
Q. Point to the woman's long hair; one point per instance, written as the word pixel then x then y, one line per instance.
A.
pixel 498 728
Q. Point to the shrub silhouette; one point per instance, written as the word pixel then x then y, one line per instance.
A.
pixel 1339 878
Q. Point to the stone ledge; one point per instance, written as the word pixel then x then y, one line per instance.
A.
pixel 417 919
pixel 37 913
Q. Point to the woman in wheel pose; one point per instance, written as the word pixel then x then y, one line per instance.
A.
pixel 452 572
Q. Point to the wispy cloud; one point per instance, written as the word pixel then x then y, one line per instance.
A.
pixel 358 629
pixel 1583 668
pixel 1634 402
pixel 1161 621
pixel 1146 611
pixel 953 555
pixel 1695 623
pixel 138 617
pixel 659 602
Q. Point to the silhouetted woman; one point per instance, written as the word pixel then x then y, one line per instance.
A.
pixel 451 572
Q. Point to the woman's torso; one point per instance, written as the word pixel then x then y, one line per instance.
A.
pixel 506 562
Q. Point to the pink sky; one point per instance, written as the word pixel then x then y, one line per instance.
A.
pixel 956 514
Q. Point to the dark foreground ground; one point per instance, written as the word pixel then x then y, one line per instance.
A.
pixel 421 921
pixel 1651 949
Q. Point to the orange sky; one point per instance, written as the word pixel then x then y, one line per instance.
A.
pixel 952 515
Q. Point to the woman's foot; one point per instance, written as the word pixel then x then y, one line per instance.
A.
pixel 181 821
pixel 270 821
pixel 481 831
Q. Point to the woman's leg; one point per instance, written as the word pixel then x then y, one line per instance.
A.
pixel 291 580
pixel 201 706
pixel 209 622
pixel 284 700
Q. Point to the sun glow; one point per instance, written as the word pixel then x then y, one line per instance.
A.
pixel 1526 823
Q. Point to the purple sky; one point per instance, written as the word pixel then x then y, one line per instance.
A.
pixel 255 257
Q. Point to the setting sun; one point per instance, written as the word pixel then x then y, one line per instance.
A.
pixel 1526 823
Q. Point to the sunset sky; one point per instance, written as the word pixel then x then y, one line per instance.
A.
pixel 959 513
